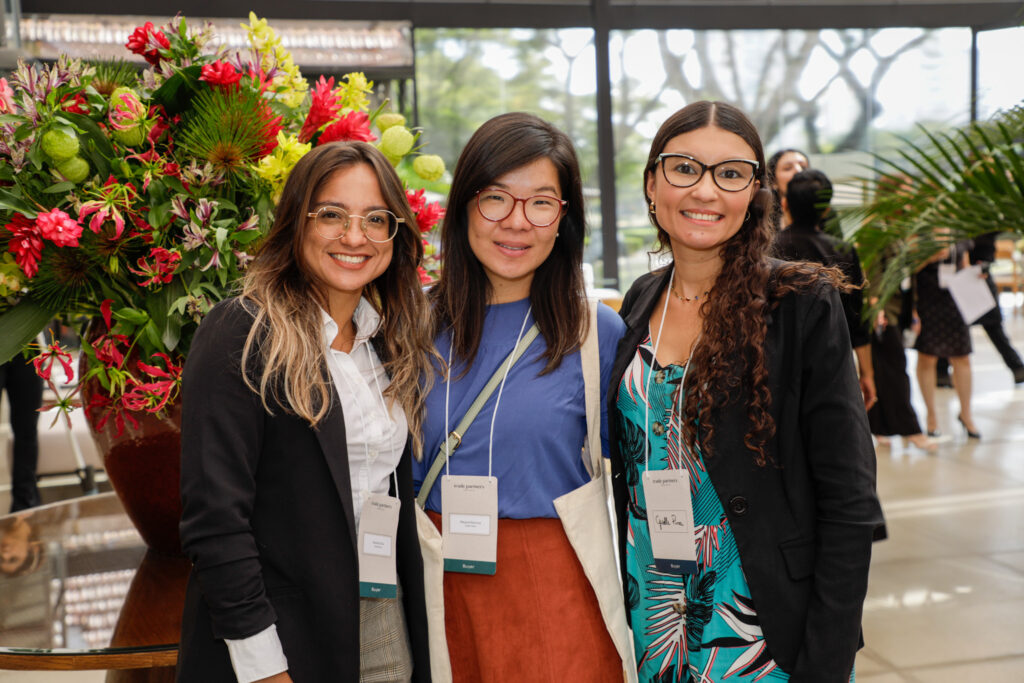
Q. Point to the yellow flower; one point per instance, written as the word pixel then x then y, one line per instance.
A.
pixel 275 167
pixel 353 90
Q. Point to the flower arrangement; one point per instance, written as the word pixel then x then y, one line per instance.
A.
pixel 135 200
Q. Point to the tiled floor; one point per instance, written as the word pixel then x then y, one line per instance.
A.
pixel 946 598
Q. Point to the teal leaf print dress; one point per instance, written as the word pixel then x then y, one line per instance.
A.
pixel 699 628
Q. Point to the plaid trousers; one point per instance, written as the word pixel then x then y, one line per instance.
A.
pixel 385 655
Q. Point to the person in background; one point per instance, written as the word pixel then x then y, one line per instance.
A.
pixel 735 385
pixel 25 397
pixel 809 196
pixel 782 166
pixel 984 252
pixel 944 334
pixel 512 240
pixel 301 411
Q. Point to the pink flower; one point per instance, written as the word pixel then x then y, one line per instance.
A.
pixel 324 106
pixel 26 244
pixel 127 112
pixel 428 216
pixel 6 97
pixel 59 228
pixel 220 74
pixel 354 125
pixel 113 198
pixel 44 361
pixel 160 270
pixel 147 41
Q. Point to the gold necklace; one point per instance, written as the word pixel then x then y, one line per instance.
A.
pixel 686 299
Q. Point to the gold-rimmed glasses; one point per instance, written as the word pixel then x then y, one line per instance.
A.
pixel 332 223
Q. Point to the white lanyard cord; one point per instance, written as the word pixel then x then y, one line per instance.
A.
pixel 447 398
pixel 654 359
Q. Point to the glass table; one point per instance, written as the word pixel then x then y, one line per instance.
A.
pixel 79 590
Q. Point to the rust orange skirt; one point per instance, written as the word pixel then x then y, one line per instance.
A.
pixel 537 619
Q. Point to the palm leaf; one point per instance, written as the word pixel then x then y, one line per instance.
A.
pixel 21 324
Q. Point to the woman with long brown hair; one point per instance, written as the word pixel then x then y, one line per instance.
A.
pixel 743 466
pixel 512 241
pixel 299 398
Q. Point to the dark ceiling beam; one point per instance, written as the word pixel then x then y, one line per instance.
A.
pixel 697 14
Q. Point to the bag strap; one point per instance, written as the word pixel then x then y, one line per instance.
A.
pixel 589 358
pixel 455 438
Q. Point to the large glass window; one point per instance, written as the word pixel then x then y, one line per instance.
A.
pixel 838 94
pixel 1000 85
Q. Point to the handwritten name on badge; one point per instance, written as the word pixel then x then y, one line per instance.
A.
pixel 671 522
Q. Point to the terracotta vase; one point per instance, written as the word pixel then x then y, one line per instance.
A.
pixel 144 467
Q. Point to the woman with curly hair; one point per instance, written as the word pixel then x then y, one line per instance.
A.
pixel 739 424
pixel 302 408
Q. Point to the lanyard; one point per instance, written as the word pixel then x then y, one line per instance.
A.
pixel 447 399
pixel 647 386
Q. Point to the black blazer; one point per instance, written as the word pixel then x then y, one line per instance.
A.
pixel 269 526
pixel 804 524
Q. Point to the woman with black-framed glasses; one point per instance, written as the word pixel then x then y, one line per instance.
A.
pixel 742 463
pixel 302 408
pixel 512 242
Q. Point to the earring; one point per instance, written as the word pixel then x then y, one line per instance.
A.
pixel 747 217
pixel 652 209
pixel 557 234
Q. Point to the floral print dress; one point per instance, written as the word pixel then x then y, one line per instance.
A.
pixel 699 628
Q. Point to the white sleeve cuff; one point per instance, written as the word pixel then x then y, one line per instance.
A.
pixel 258 656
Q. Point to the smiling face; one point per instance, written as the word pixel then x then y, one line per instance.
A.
pixel 788 166
pixel 342 267
pixel 511 250
pixel 703 217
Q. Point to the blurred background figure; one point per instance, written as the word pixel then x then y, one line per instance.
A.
pixel 943 334
pixel 25 396
pixel 808 197
pixel 782 166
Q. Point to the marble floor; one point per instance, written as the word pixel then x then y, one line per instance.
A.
pixel 946 598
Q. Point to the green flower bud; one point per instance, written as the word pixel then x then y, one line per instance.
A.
pixel 75 169
pixel 396 141
pixel 385 121
pixel 430 167
pixel 58 145
pixel 132 137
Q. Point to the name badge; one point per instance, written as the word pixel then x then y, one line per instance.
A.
pixel 946 273
pixel 469 524
pixel 378 529
pixel 670 520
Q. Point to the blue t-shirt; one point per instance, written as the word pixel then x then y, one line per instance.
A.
pixel 540 426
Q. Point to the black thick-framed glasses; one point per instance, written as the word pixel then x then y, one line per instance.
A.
pixel 541 210
pixel 333 222
pixel 731 175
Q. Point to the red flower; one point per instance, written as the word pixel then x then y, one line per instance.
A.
pixel 220 74
pixel 59 228
pixel 354 125
pixel 76 105
pixel 108 347
pixel 107 408
pixel 417 200
pixel 324 106
pixel 271 127
pixel 153 396
pixel 162 268
pixel 44 361
pixel 26 244
pixel 428 216
pixel 147 41
pixel 105 311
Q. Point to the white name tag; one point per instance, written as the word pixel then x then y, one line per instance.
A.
pixel 469 524
pixel 378 528
pixel 670 520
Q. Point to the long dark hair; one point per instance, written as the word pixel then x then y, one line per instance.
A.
pixel 731 352
pixel 557 292
pixel 773 183
pixel 288 331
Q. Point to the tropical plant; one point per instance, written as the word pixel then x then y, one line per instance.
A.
pixel 136 199
pixel 941 189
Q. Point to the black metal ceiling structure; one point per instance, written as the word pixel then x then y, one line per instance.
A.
pixel 603 16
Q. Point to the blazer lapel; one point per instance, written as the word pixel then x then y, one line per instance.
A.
pixel 331 435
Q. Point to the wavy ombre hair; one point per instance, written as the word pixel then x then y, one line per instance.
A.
pixel 287 339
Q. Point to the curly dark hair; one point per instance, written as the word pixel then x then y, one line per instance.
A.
pixel 735 313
